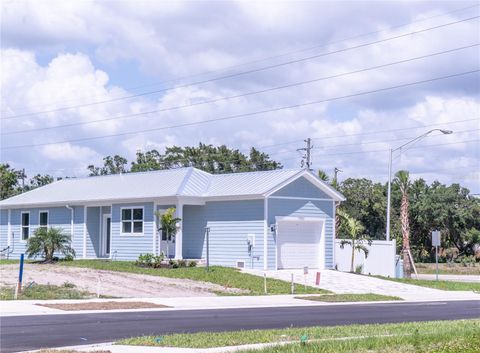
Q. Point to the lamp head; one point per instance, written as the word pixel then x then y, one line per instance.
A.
pixel 446 132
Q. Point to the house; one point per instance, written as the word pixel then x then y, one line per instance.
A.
pixel 264 220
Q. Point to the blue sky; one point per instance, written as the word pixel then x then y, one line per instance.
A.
pixel 58 54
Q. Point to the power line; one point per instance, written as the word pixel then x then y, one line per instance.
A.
pixel 177 79
pixel 244 72
pixel 370 133
pixel 240 95
pixel 246 114
pixel 296 158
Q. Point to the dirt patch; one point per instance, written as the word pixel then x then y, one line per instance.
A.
pixel 111 305
pixel 111 283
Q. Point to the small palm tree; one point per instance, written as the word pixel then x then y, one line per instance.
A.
pixel 402 179
pixel 46 241
pixel 323 176
pixel 168 223
pixel 353 230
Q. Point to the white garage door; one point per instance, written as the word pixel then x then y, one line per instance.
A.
pixel 298 244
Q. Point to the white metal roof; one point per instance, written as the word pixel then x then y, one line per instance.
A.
pixel 157 184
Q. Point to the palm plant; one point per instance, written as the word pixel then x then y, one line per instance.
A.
pixel 402 179
pixel 323 176
pixel 168 224
pixel 46 241
pixel 353 232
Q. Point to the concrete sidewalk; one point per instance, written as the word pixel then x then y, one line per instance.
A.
pixel 343 282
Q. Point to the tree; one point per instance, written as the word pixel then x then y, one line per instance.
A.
pixel 168 223
pixel 322 175
pixel 9 181
pixel 150 160
pixel 111 165
pixel 46 241
pixel 352 233
pixel 365 201
pixel 402 179
pixel 39 180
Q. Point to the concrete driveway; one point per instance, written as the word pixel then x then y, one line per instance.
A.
pixel 342 282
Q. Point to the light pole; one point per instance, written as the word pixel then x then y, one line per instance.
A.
pixel 445 132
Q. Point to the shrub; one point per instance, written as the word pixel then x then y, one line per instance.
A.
pixel 47 241
pixel 145 260
pixel 192 264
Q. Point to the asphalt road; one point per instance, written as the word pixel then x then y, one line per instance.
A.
pixel 32 332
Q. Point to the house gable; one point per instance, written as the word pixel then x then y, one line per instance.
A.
pixel 301 187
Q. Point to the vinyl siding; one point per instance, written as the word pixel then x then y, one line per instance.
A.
pixel 77 231
pixel 3 229
pixel 301 188
pixel 304 208
pixel 230 222
pixel 58 217
pixel 93 232
pixel 128 247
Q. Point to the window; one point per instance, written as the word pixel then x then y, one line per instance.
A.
pixel 25 225
pixel 132 220
pixel 43 219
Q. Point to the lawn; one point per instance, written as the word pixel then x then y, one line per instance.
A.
pixel 45 292
pixel 444 285
pixel 449 269
pixel 339 298
pixel 404 337
pixel 224 276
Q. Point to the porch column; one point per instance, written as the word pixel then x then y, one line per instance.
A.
pixel 179 234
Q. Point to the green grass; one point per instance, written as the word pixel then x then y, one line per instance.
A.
pixel 45 292
pixel 431 332
pixel 449 269
pixel 337 298
pixel 9 261
pixel 224 276
pixel 444 285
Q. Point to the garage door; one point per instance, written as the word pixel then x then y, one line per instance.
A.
pixel 298 244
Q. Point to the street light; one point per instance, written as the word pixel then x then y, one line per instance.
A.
pixel 445 132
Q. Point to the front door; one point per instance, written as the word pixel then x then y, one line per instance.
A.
pixel 107 225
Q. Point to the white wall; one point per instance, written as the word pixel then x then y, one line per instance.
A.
pixel 380 260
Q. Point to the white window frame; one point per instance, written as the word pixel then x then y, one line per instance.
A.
pixel 22 226
pixel 132 220
pixel 48 218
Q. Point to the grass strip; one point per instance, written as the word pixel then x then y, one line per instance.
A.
pixel 339 298
pixel 221 339
pixel 224 276
pixel 449 268
pixel 45 292
pixel 443 285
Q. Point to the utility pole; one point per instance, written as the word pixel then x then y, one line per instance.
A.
pixel 307 157
pixel 23 180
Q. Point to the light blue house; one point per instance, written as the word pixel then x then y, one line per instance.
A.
pixel 263 220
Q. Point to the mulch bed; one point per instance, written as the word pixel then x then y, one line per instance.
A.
pixel 104 306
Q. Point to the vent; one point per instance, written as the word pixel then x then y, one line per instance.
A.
pixel 241 264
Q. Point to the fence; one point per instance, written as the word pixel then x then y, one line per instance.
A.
pixel 380 261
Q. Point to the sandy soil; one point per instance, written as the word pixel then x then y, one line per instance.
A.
pixel 109 283
pixel 103 306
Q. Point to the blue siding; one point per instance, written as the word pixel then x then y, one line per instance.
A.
pixel 194 223
pixel 58 217
pixel 302 188
pixel 230 222
pixel 78 231
pixel 128 247
pixel 304 208
pixel 93 232
pixel 3 229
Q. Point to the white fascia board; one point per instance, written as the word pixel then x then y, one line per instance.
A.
pixel 299 219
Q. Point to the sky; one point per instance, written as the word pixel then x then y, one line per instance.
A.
pixel 81 80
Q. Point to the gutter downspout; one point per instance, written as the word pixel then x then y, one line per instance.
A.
pixel 265 233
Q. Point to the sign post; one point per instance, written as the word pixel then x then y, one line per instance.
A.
pixel 305 274
pixel 436 240
pixel 18 290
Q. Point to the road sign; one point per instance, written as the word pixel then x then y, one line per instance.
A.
pixel 436 238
